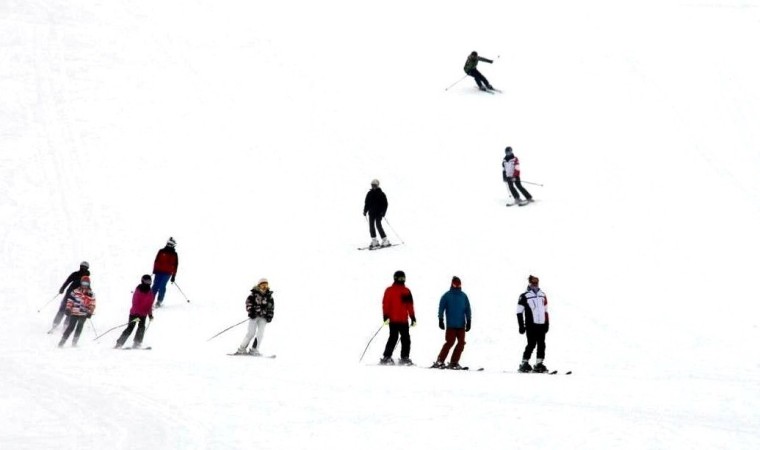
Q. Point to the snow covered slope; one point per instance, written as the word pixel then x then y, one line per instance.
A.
pixel 250 134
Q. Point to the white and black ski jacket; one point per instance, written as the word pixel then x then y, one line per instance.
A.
pixel 533 305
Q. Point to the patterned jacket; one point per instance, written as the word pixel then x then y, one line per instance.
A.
pixel 81 302
pixel 510 167
pixel 260 304
pixel 533 304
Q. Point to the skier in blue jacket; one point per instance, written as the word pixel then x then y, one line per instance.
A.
pixel 456 307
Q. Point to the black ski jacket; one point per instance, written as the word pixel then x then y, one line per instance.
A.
pixel 376 203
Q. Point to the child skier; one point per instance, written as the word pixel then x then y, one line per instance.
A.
pixel 142 308
pixel 80 306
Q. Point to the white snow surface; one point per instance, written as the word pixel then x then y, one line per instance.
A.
pixel 250 131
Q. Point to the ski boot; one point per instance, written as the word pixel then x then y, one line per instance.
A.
pixel 454 366
pixel 525 367
pixel 438 365
pixel 490 88
pixel 240 352
pixel 482 88
pixel 386 361
pixel 385 242
pixel 405 362
pixel 254 352
pixel 540 368
pixel 374 244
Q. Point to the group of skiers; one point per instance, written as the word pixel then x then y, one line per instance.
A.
pixel 455 317
pixel 454 310
pixel 78 301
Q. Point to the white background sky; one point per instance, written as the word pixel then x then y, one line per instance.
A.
pixel 250 133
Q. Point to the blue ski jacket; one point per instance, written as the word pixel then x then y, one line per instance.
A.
pixel 456 305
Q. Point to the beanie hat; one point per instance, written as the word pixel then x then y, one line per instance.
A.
pixel 84 264
pixel 262 280
pixel 375 182
pixel 508 151
pixel 532 279
pixel 146 279
pixel 456 282
pixel 399 276
pixel 171 242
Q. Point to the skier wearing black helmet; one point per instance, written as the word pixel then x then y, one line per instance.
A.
pixel 471 69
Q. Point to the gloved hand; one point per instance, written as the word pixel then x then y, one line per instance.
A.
pixel 509 179
pixel 365 213
pixel 468 326
pixel 67 313
pixel 414 322
pixel 150 316
pixel 547 327
pixel 89 315
pixel 441 325
pixel 522 329
pixel 60 291
pixel 386 321
pixel 174 277
pixel 269 320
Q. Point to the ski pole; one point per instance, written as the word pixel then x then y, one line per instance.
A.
pixel 370 341
pixel 92 324
pixel 180 291
pixel 394 231
pixel 47 302
pixel 136 319
pixel 227 329
pixel 534 184
pixel 456 82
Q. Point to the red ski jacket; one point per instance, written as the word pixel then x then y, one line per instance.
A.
pixel 166 261
pixel 398 305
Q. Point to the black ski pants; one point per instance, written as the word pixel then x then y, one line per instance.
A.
pixel 479 78
pixel 536 334
pixel 376 221
pixel 76 324
pixel 396 330
pixel 513 182
pixel 140 331
pixel 62 310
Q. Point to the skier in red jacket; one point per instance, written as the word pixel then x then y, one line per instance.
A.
pixel 165 269
pixel 398 308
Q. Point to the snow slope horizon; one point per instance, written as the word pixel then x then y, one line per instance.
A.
pixel 130 125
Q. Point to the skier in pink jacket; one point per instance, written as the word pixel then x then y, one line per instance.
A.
pixel 142 308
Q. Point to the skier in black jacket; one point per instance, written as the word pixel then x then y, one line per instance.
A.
pixel 376 204
pixel 72 282
pixel 533 304
pixel 471 69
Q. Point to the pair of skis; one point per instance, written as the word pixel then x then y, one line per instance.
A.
pixel 252 356
pixel 376 248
